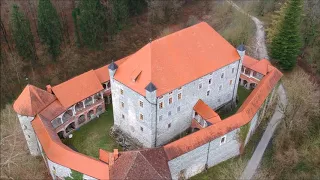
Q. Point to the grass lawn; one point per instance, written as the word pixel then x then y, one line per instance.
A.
pixel 94 135
pixel 243 93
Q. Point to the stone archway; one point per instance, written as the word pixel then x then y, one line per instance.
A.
pixel 61 134
pixel 71 127
pixel 81 119
pixel 90 115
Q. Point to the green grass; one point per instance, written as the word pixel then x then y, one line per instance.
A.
pixel 94 135
pixel 242 93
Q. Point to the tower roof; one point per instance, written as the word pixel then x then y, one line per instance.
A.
pixel 113 66
pixel 241 48
pixel 32 100
pixel 151 87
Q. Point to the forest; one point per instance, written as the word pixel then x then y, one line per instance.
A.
pixel 50 41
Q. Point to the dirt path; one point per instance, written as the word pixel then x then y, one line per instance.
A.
pixel 254 162
pixel 260 47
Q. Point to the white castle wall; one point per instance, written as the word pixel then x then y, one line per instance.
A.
pixel 29 134
pixel 191 93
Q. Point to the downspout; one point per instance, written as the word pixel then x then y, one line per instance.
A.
pixel 237 78
pixel 156 128
pixel 206 165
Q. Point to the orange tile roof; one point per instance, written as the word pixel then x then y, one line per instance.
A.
pixel 248 61
pixel 243 116
pixel 104 155
pixel 177 59
pixel 32 100
pixel 195 124
pixel 262 66
pixel 206 112
pixel 141 164
pixel 52 111
pixel 77 88
pixel 103 72
pixel 59 153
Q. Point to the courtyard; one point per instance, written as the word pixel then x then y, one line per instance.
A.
pixel 93 136
pixel 242 93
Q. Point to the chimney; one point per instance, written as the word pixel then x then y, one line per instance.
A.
pixel 49 88
pixel 115 154
pixel 111 159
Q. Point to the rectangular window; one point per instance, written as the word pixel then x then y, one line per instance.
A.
pixel 200 86
pixel 209 81
pixel 121 91
pixel 219 100
pixel 254 73
pixel 220 87
pixel 230 82
pixel 141 128
pixel 223 140
pixel 160 105
pixel 169 125
pixel 141 104
pixel 170 100
pixel 208 93
pixel 178 109
pixel 123 116
pixel 179 88
pixel 179 96
pixel 169 113
pixel 122 104
pixel 222 75
pixel 141 116
pixel 170 92
pixel 160 118
pixel 232 70
pixel 160 97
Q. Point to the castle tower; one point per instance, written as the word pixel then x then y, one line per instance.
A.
pixel 241 51
pixel 30 102
pixel 151 96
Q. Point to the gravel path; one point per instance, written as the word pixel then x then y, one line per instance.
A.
pixel 261 53
pixel 260 47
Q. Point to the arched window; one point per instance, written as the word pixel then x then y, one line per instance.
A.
pixel 67 115
pixel 97 97
pixel 79 106
pixel 99 109
pixel 81 119
pixel 88 101
pixel 56 122
pixel 90 115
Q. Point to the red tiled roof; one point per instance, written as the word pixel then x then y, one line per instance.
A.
pixel 244 115
pixel 32 100
pixel 177 59
pixel 142 164
pixel 262 66
pixel 206 112
pixel 103 72
pixel 52 111
pixel 59 153
pixel 77 88
pixel 195 124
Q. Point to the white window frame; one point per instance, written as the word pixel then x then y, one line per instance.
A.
pixel 122 91
pixel 121 102
pixel 140 117
pixel 178 96
pixel 169 100
pixel 225 139
pixel 162 105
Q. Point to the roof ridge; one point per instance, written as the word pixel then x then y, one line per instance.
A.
pixel 132 162
pixel 149 163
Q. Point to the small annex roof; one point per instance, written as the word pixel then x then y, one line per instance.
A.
pixel 59 153
pixel 77 88
pixel 263 66
pixel 103 72
pixel 52 111
pixel 206 112
pixel 32 100
pixel 141 164
pixel 177 59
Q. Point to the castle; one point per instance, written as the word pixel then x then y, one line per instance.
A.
pixel 171 84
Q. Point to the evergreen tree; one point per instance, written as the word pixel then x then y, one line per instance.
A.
pixel 92 22
pixel 120 13
pixel 286 44
pixel 49 27
pixel 136 6
pixel 22 36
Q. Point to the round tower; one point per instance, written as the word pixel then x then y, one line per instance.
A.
pixel 29 103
